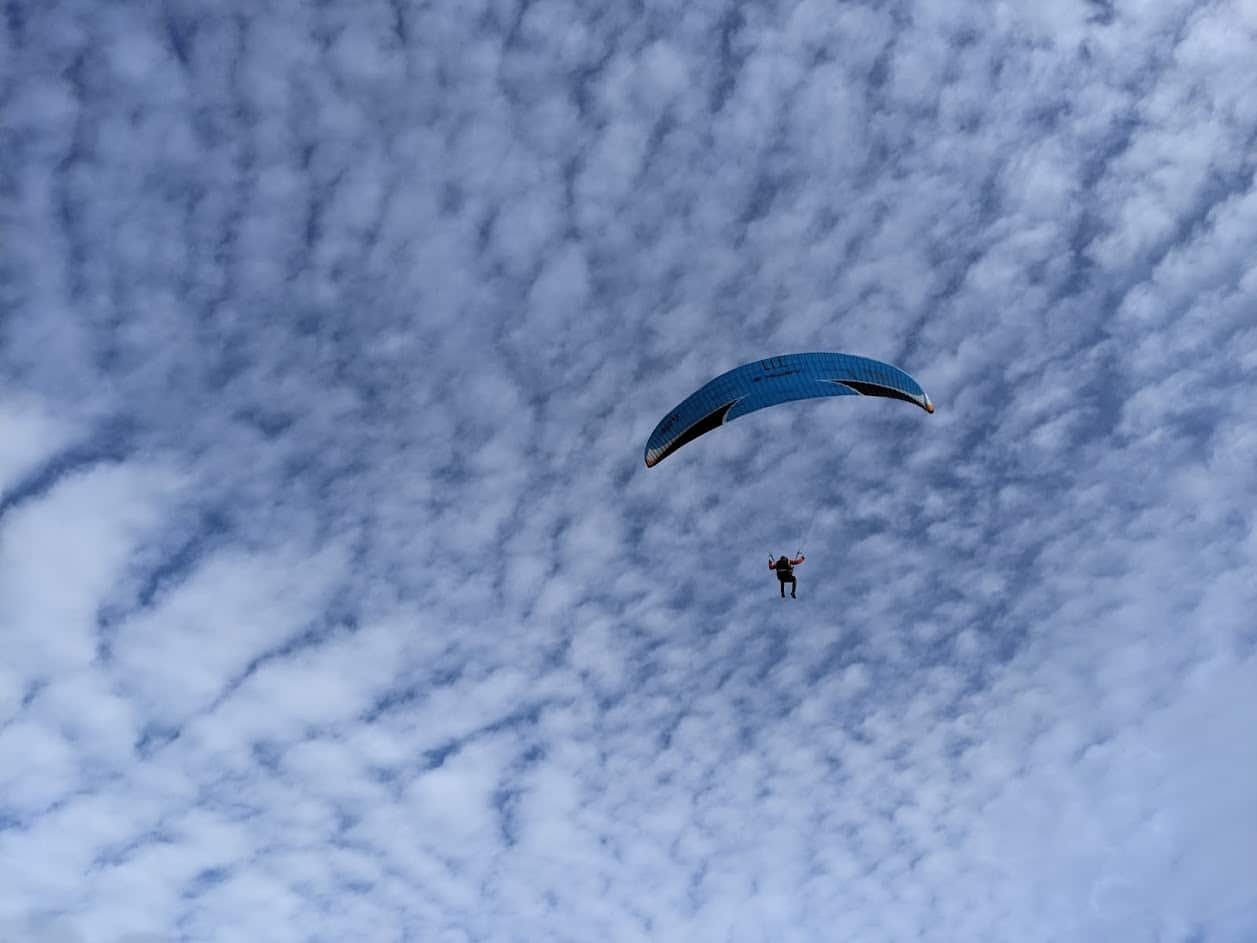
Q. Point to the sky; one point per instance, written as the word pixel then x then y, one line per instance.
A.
pixel 336 601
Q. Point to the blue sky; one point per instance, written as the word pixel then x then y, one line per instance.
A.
pixel 336 602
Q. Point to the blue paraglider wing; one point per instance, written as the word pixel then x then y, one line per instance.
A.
pixel 773 381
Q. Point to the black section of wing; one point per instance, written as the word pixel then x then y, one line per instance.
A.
pixel 713 420
pixel 875 389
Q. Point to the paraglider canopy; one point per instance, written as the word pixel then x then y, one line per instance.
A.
pixel 774 381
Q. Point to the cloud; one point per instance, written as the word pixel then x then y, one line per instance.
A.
pixel 335 597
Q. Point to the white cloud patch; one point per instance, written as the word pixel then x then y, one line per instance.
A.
pixel 61 554
pixel 33 435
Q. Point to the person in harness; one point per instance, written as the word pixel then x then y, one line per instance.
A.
pixel 785 572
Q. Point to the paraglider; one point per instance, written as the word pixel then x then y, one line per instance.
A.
pixel 771 382
pixel 784 568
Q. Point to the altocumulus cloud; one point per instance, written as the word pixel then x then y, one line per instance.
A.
pixel 335 601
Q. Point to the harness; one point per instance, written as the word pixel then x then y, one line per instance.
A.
pixel 784 570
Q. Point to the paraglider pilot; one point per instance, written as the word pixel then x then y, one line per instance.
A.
pixel 785 572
